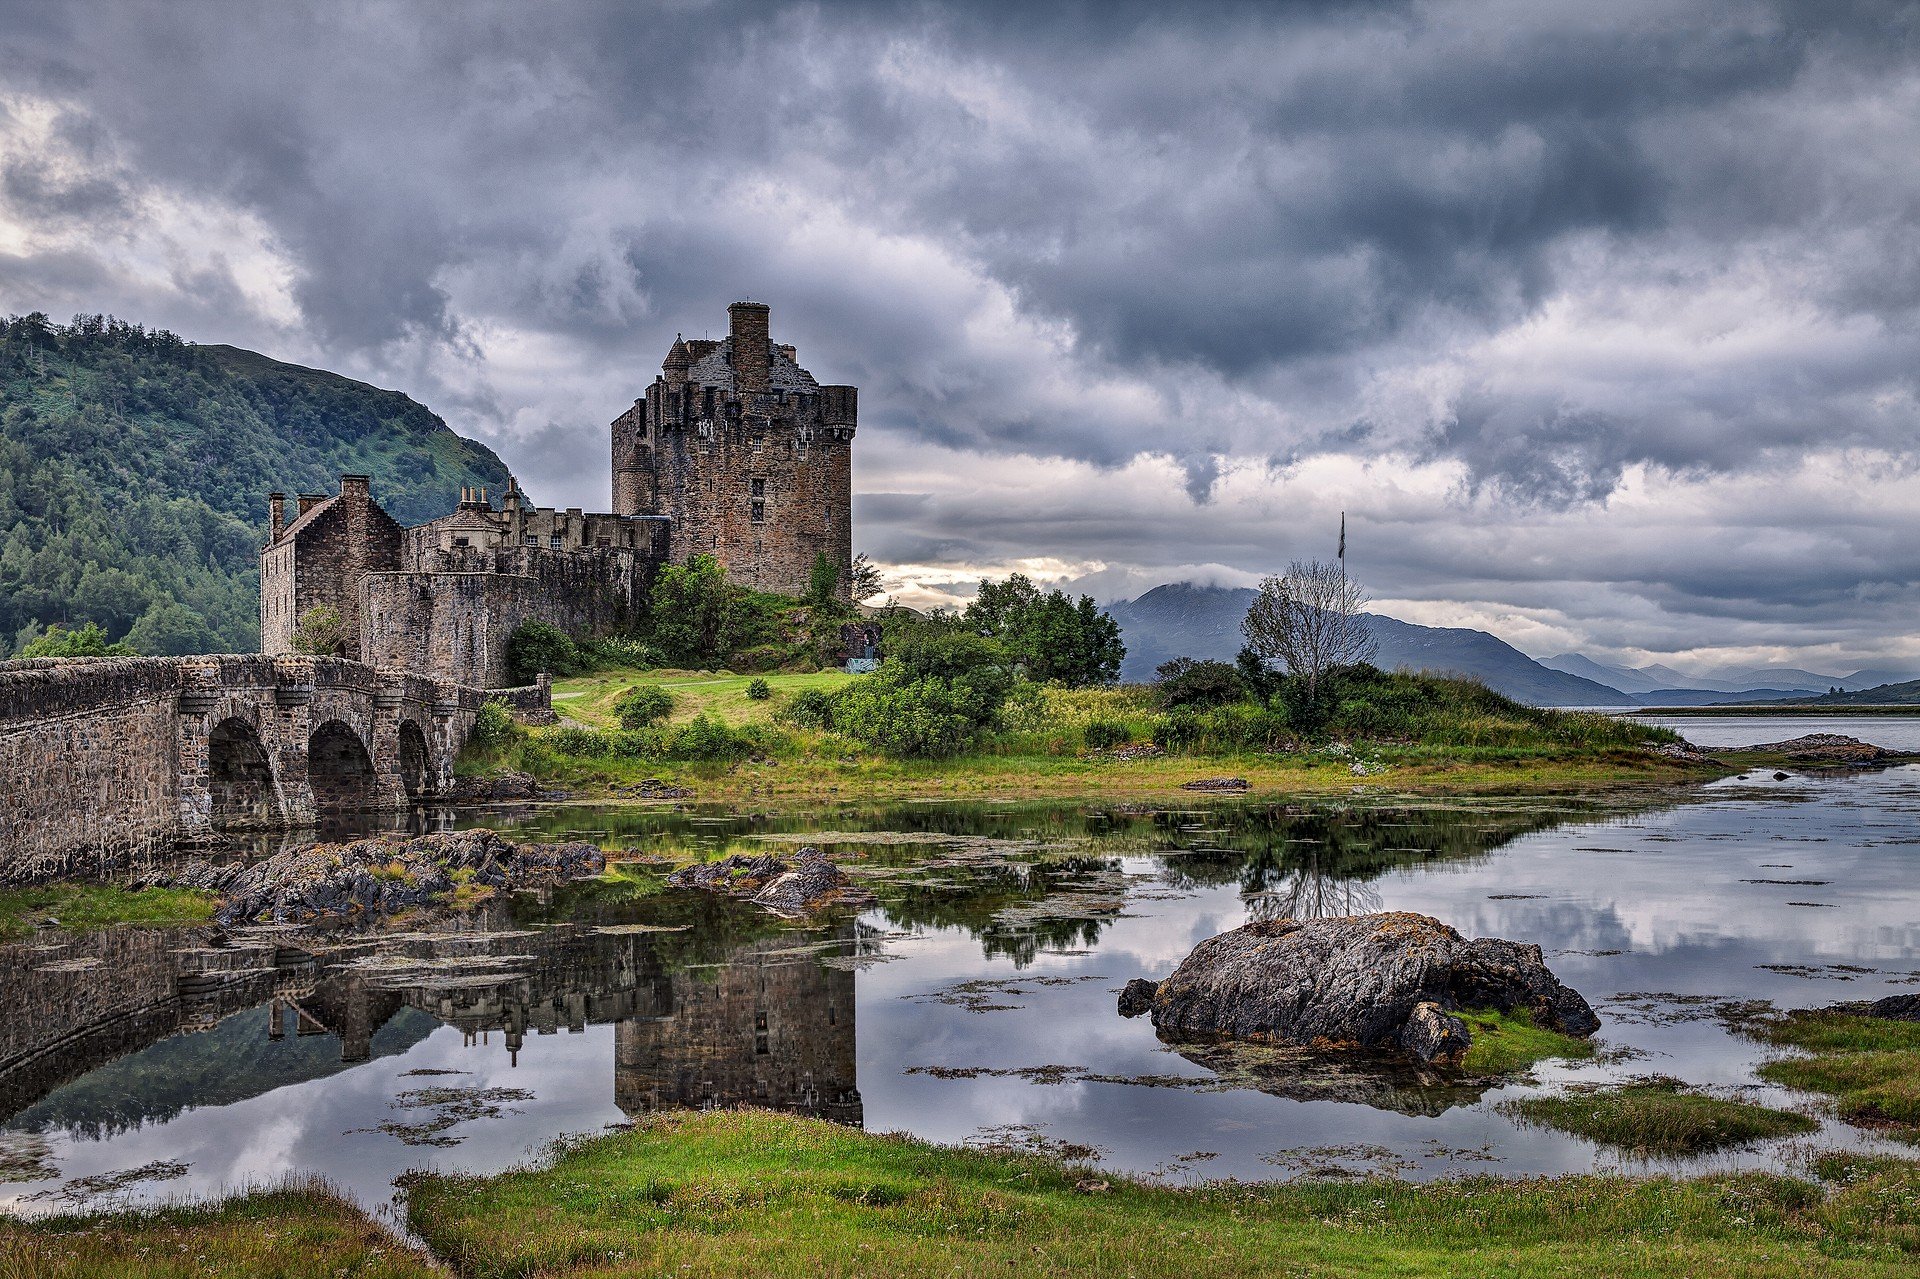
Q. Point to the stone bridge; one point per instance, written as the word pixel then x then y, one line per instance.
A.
pixel 103 757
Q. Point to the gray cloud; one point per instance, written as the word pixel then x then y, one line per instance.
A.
pixel 1556 250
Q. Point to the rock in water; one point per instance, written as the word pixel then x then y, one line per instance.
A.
pixel 807 884
pixel 390 873
pixel 1137 997
pixel 1387 982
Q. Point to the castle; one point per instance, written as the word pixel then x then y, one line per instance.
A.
pixel 735 451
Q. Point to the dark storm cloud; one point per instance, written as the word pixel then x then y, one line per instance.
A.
pixel 1546 244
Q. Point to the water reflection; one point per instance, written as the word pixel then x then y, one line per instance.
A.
pixel 978 992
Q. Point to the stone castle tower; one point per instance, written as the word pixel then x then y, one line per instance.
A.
pixel 747 455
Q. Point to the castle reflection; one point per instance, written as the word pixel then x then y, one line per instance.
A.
pixel 98 1043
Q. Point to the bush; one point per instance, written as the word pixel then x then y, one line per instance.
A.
pixel 616 652
pixel 705 738
pixel 1187 682
pixel 809 708
pixel 928 718
pixel 320 631
pixel 493 726
pixel 535 647
pixel 1102 735
pixel 641 705
pixel 579 743
pixel 1179 730
pixel 759 691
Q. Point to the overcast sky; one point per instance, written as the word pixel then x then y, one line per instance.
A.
pixel 1599 320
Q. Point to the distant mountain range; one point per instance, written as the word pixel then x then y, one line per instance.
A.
pixel 1185 620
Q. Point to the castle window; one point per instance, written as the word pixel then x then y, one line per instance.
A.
pixel 553 540
pixel 461 541
pixel 759 512
pixel 533 539
pixel 759 488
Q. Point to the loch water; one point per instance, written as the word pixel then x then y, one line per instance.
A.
pixel 974 1002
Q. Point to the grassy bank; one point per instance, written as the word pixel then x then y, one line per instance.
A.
pixel 1660 1118
pixel 750 1193
pixel 1870 1066
pixel 294 1232
pixel 1039 749
pixel 79 906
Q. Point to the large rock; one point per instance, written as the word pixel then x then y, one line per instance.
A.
pixel 1828 748
pixel 1387 982
pixel 386 874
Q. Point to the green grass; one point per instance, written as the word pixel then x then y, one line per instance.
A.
pixel 1040 752
pixel 84 906
pixel 743 1193
pixel 1659 1118
pixel 1869 1065
pixel 1506 1042
pixel 751 1193
pixel 295 1231
pixel 720 694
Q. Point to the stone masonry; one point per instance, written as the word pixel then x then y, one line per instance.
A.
pixel 748 457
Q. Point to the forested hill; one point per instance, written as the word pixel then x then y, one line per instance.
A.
pixel 134 469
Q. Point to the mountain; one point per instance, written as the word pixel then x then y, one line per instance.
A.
pixel 1873 678
pixel 134 470
pixel 1905 693
pixel 1185 620
pixel 1624 678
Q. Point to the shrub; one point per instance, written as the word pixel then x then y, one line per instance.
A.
pixel 536 646
pixel 930 718
pixel 759 691
pixel 493 726
pixel 579 743
pixel 1178 730
pixel 641 705
pixel 1103 735
pixel 320 631
pixel 809 708
pixel 614 652
pixel 1187 682
pixel 704 738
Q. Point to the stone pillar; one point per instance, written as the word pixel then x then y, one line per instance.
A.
pixel 192 763
pixel 286 727
pixel 389 788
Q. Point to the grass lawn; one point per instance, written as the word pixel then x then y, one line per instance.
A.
pixel 1660 1118
pixel 80 906
pixel 589 698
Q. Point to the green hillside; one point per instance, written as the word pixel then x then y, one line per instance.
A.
pixel 134 469
pixel 1907 694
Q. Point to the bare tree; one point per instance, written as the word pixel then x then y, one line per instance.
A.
pixel 1309 619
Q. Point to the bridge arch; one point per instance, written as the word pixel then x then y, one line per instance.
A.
pixel 340 771
pixel 244 791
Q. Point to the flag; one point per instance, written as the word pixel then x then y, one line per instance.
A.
pixel 1343 537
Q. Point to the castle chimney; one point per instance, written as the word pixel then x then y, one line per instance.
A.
pixel 752 356
pixel 355 489
pixel 307 501
pixel 276 516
